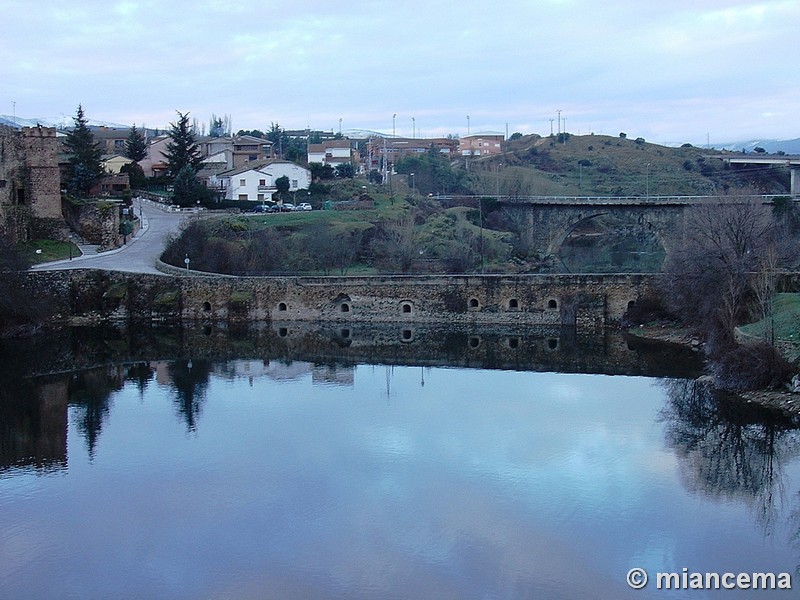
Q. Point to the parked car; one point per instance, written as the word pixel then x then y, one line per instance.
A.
pixel 262 208
pixel 303 206
pixel 287 207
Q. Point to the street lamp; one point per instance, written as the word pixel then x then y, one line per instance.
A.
pixel 411 176
pixel 394 119
pixel 467 124
pixel 413 128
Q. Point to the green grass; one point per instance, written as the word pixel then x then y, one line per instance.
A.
pixel 786 319
pixel 50 250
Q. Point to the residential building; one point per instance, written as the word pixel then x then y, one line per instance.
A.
pixel 111 139
pixel 331 152
pixel 383 151
pixel 113 163
pixel 255 181
pixel 155 163
pixel 481 144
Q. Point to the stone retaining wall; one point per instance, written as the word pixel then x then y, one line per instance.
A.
pixel 585 300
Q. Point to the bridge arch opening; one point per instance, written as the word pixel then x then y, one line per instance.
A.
pixel 611 243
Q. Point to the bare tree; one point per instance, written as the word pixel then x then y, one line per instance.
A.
pixel 712 280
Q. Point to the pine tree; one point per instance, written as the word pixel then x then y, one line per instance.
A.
pixel 135 145
pixel 187 190
pixel 182 150
pixel 85 161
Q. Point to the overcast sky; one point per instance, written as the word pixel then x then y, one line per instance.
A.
pixel 670 71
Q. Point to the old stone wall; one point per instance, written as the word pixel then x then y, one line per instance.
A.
pixel 97 222
pixel 583 300
pixel 30 194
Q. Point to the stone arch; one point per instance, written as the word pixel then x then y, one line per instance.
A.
pixel 554 247
pixel 206 306
pixel 663 226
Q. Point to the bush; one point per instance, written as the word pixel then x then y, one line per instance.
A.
pixel 752 366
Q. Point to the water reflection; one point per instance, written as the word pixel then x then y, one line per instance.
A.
pixel 80 369
pixel 317 464
pixel 732 449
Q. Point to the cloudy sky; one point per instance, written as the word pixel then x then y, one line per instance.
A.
pixel 671 72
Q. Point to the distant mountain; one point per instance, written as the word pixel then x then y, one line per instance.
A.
pixel 771 146
pixel 59 123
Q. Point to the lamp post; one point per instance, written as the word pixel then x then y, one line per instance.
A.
pixel 647 181
pixel 413 128
pixel 467 124
pixel 340 125
pixel 411 176
pixel 394 120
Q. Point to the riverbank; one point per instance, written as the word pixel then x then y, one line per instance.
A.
pixel 779 400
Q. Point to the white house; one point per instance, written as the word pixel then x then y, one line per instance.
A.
pixel 330 152
pixel 255 181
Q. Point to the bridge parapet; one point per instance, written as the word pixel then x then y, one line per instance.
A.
pixel 579 201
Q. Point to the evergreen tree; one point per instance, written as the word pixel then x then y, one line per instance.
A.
pixel 182 150
pixel 187 190
pixel 85 161
pixel 135 145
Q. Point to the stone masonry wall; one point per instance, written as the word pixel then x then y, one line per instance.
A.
pixel 30 192
pixel 584 300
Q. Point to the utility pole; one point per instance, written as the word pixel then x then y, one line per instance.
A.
pixel 394 119
pixel 467 125
pixel 413 128
pixel 559 121
pixel 551 127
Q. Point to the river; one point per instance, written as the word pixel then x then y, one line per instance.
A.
pixel 293 462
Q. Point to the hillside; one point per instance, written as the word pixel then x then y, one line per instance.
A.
pixel 597 165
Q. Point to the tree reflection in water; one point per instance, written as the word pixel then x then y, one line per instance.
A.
pixel 731 449
pixel 190 381
pixel 89 396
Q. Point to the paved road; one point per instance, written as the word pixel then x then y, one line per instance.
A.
pixel 138 255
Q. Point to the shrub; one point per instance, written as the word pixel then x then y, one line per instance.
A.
pixel 751 366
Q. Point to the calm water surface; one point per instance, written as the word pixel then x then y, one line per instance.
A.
pixel 256 478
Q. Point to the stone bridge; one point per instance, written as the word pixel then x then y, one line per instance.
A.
pixel 550 219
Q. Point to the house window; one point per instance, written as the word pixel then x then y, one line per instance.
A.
pixel 261 197
pixel 252 157
pixel 262 182
pixel 294 183
pixel 243 182
pixel 242 196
